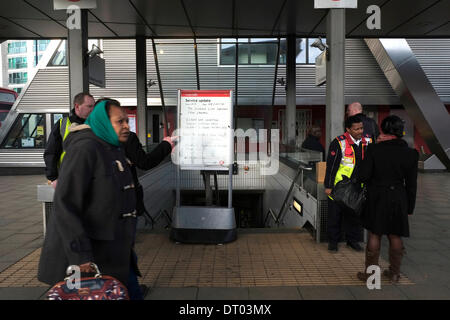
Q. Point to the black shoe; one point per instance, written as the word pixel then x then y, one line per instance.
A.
pixel 333 246
pixel 144 289
pixel 355 246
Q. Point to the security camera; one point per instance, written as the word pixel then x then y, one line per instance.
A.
pixel 94 51
pixel 319 44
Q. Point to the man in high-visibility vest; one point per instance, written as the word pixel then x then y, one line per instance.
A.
pixel 344 158
pixel 54 153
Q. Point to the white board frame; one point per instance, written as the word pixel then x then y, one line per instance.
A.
pixel 231 135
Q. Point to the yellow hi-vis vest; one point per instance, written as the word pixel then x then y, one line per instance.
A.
pixel 64 124
pixel 348 159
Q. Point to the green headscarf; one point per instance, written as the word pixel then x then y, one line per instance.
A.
pixel 100 124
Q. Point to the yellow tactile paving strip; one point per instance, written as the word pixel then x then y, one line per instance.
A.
pixel 255 259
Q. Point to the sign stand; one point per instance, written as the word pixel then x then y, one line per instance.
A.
pixel 210 112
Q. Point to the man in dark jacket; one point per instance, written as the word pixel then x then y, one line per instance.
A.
pixel 312 141
pixel 370 126
pixel 344 159
pixel 83 104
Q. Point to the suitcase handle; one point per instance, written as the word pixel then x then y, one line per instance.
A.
pixel 70 269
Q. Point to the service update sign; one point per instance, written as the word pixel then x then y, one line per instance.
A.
pixel 205 129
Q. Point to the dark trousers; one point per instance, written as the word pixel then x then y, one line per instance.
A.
pixel 134 290
pixel 352 224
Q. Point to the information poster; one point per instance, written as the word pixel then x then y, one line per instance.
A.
pixel 205 129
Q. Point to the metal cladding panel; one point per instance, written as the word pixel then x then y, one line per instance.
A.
pixel 49 90
pixel 120 70
pixel 21 158
pixel 434 58
pixel 364 78
pixel 255 83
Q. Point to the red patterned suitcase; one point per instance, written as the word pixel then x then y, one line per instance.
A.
pixel 99 287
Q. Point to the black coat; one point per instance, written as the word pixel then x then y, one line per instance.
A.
pixel 390 171
pixel 54 148
pixel 144 161
pixel 92 194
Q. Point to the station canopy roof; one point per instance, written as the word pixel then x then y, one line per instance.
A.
pixel 34 19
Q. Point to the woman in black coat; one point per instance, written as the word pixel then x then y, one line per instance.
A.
pixel 94 213
pixel 389 169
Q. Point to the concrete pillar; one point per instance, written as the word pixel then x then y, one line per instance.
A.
pixel 335 108
pixel 291 94
pixel 77 58
pixel 141 85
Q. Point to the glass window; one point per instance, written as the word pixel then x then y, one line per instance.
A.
pixel 37 59
pixel 18 90
pixel 18 77
pixel 28 132
pixel 17 47
pixel 312 51
pixel 263 51
pixel 59 59
pixel 17 63
pixel 57 116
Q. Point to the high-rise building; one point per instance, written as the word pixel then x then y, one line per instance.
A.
pixel 18 59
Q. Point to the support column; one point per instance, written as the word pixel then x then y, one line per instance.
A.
pixel 141 86
pixel 335 108
pixel 291 93
pixel 78 59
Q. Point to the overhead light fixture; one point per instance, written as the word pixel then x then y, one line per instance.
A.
pixel 319 44
pixel 161 51
pixel 94 51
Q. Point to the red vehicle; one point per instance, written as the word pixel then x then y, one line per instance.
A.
pixel 7 98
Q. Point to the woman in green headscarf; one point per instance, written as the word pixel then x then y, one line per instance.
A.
pixel 95 202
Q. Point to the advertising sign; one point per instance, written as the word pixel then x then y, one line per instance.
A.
pixel 205 129
pixel 82 4
pixel 97 71
pixel 330 4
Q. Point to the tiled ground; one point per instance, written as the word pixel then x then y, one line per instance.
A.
pixel 257 266
pixel 254 260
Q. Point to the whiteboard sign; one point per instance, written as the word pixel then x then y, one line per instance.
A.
pixel 330 4
pixel 205 129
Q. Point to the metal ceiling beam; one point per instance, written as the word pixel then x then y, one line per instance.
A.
pixel 104 24
pixel 420 100
pixel 277 20
pixel 21 26
pixel 42 12
pixel 142 18
pixel 414 16
pixel 364 20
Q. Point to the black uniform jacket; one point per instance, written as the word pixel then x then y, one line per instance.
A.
pixel 334 160
pixel 54 148
pixel 94 191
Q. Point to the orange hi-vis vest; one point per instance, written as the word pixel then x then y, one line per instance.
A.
pixel 348 160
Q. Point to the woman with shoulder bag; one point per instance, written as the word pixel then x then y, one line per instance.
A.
pixel 389 170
